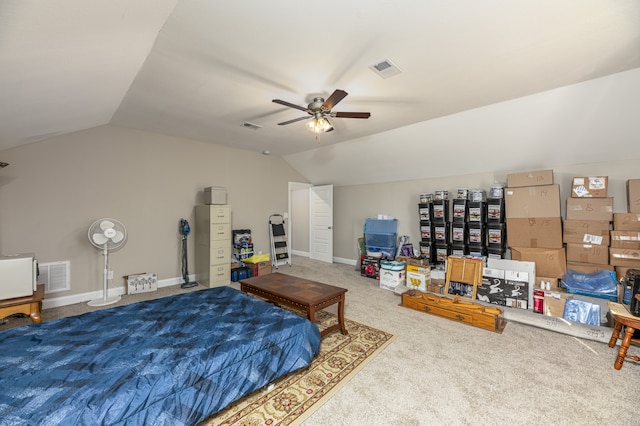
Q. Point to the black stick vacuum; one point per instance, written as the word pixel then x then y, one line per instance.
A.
pixel 184 230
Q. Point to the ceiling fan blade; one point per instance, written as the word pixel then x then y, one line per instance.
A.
pixel 351 114
pixel 333 100
pixel 288 104
pixel 292 121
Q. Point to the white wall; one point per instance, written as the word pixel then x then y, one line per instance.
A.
pixel 53 190
pixel 355 203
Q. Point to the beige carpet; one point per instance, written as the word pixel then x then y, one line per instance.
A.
pixel 440 372
pixel 294 397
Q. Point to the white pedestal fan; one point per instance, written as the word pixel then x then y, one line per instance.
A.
pixel 108 235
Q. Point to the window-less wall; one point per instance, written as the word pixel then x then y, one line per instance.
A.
pixel 53 190
pixel 355 203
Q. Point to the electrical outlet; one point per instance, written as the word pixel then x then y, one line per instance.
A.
pixel 110 275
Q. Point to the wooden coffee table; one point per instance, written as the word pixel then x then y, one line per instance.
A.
pixel 299 293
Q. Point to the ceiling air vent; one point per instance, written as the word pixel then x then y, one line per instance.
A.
pixel 385 68
pixel 251 126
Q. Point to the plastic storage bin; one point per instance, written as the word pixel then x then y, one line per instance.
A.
pixel 381 226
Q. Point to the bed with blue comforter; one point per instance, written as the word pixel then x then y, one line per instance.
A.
pixel 169 361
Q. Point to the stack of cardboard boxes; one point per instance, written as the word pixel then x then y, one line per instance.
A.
pixel 587 224
pixel 534 224
pixel 624 253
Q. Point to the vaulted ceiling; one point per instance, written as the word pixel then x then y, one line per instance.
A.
pixel 202 69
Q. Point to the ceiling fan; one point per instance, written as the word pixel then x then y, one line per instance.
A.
pixel 320 109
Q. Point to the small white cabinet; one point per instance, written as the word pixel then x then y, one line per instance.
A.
pixel 213 245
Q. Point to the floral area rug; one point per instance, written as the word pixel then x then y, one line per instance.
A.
pixel 294 397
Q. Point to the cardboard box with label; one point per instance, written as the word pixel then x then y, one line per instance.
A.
pixel 590 209
pixel 260 268
pixel 392 274
pixel 492 288
pixel 590 187
pixel 586 232
pixel 625 239
pixel 588 253
pixel 522 268
pixel 370 267
pixel 516 289
pixel 532 201
pixel 532 178
pixel 535 232
pixel 633 195
pixel 418 277
pixel 626 221
pixel 624 257
pixel 549 262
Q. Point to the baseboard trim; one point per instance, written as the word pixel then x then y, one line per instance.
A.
pixel 345 261
pixel 56 302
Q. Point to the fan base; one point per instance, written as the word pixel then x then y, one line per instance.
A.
pixel 103 301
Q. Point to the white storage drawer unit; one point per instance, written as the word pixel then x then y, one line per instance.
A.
pixel 213 245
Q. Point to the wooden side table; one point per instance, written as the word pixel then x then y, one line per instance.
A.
pixel 28 305
pixel 622 316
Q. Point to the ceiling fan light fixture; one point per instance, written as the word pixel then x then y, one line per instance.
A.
pixel 319 124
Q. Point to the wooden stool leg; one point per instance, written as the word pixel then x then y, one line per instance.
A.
pixel 624 346
pixel 615 334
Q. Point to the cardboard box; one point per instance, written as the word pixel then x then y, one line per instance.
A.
pixel 624 257
pixel 215 195
pixel 633 195
pixel 535 232
pixel 588 253
pixel 554 303
pixel 590 209
pixel 533 178
pixel 418 277
pixel 626 221
pixel 586 232
pixel 514 265
pixel 492 288
pixel 436 288
pixel 590 187
pixel 389 279
pixel 140 283
pixel 625 239
pixel 532 201
pixel 260 268
pixel 370 267
pixel 549 262
pixel 588 268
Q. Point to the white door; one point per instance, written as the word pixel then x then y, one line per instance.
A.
pixel 321 223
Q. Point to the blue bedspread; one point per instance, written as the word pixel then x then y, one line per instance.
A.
pixel 170 361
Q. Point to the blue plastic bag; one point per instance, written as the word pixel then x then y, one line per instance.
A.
pixel 581 311
pixel 600 284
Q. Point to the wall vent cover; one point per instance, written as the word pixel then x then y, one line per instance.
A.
pixel 385 68
pixel 55 276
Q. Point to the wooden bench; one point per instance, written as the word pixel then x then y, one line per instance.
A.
pixel 622 316
pixel 28 305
